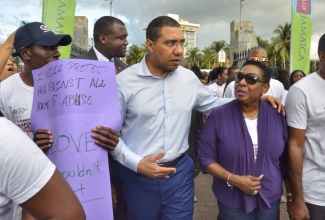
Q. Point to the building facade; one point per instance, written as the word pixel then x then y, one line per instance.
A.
pixel 79 43
pixel 189 31
pixel 242 39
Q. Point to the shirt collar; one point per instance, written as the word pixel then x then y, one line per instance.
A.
pixel 144 71
pixel 101 57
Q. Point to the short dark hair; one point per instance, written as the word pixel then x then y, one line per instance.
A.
pixel 104 25
pixel 321 43
pixel 154 28
pixel 231 68
pixel 265 70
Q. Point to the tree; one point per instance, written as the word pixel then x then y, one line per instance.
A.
pixel 207 61
pixel 262 43
pixel 193 57
pixel 218 46
pixel 135 54
pixel 281 44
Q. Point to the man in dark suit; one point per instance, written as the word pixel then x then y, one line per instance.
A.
pixel 110 42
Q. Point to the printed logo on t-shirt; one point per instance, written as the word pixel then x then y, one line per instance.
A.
pixel 21 110
pixel 25 126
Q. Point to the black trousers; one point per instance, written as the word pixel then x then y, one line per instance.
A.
pixel 316 212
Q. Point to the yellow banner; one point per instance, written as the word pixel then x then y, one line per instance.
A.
pixel 58 15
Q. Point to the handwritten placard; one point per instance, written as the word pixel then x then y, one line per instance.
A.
pixel 70 98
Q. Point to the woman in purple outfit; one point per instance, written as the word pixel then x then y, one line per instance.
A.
pixel 243 146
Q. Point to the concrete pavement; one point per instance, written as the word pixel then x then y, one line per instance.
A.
pixel 206 207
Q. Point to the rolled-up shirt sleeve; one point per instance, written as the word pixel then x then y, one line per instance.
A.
pixel 206 102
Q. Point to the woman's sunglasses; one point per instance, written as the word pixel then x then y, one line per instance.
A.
pixel 250 78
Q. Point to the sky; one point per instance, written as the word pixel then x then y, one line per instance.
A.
pixel 214 16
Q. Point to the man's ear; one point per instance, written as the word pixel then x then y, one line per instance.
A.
pixel 102 38
pixel 149 44
pixel 25 53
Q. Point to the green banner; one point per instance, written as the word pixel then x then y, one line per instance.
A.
pixel 58 15
pixel 301 28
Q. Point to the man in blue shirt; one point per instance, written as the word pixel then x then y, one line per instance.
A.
pixel 156 98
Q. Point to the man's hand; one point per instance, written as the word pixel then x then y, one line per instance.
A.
pixel 275 102
pixel 105 137
pixel 297 210
pixel 43 138
pixel 148 166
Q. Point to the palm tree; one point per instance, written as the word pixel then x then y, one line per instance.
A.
pixel 193 57
pixel 135 54
pixel 207 61
pixel 218 46
pixel 281 43
pixel 262 43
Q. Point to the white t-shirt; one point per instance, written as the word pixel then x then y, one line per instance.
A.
pixel 230 90
pixel 284 96
pixel 24 169
pixel 305 107
pixel 16 99
pixel 216 90
pixel 252 130
pixel 276 89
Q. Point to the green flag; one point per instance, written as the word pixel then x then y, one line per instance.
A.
pixel 58 15
pixel 301 28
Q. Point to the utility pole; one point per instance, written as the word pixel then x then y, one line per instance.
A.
pixel 110 6
pixel 240 7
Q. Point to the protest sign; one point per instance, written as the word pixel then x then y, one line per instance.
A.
pixel 70 98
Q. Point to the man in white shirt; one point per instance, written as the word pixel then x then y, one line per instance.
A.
pixel 306 145
pixel 29 178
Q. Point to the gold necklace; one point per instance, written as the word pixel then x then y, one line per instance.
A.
pixel 253 117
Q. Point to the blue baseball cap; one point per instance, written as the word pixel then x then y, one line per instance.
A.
pixel 39 34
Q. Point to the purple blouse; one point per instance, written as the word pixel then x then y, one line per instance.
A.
pixel 226 140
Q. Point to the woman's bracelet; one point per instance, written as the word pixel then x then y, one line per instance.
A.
pixel 228 184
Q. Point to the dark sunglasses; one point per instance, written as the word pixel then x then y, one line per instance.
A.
pixel 250 78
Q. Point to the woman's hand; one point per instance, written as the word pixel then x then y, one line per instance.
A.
pixel 248 184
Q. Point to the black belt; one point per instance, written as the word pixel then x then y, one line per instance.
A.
pixel 172 163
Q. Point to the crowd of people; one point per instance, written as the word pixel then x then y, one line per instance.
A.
pixel 176 121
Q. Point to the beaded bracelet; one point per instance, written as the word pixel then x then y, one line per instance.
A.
pixel 228 184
